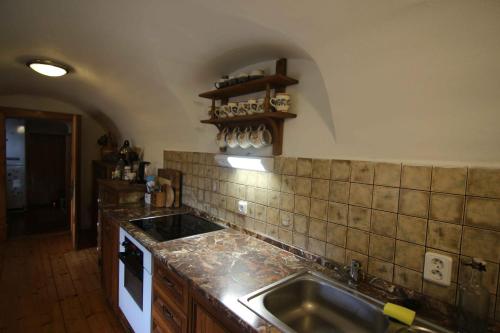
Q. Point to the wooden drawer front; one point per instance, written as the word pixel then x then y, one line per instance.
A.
pixel 166 316
pixel 171 286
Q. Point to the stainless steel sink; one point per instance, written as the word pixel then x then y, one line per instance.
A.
pixel 310 302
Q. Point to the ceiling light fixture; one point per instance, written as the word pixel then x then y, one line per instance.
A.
pixel 48 68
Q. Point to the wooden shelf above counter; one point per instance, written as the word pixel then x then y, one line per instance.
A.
pixel 274 121
pixel 256 85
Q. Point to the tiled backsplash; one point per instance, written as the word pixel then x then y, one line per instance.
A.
pixel 386 215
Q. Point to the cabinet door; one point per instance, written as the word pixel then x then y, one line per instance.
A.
pixel 109 277
pixel 204 323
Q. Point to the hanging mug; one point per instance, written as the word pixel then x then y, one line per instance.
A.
pixel 261 137
pixel 232 138
pixel 281 102
pixel 244 138
pixel 220 138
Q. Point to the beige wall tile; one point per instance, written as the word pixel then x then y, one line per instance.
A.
pixel 336 234
pixel 318 209
pixel 278 164
pixel 411 229
pixel 299 240
pixel 250 194
pixel 339 191
pixel 447 207
pixel 409 255
pixel 380 269
pixel 489 277
pixel 316 246
pixel 481 243
pixel 335 253
pixel 285 236
pixel 272 230
pixel 288 184
pixel 388 174
pixel 361 195
pixel 304 167
pixel 320 189
pixel 444 236
pixel 317 229
pixel 337 213
pixel 352 255
pixel 386 198
pixel 357 240
pixel 303 186
pixel 274 182
pixel 289 166
pixel 262 179
pixel 484 182
pixel 260 212
pixel 286 219
pixel 483 213
pixel 302 205
pixel 408 278
pixel 273 198
pixel 321 168
pixel 260 195
pixel 301 223
pixel 362 172
pixel 414 203
pixel 449 180
pixel 340 170
pixel 416 177
pixel 384 223
pixel 359 217
pixel 382 247
pixel 287 202
pixel 273 216
pixel 442 293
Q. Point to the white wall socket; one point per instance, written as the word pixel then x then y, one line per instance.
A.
pixel 243 207
pixel 437 268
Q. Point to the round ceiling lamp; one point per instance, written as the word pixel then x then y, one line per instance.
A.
pixel 48 68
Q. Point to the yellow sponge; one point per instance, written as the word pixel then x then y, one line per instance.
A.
pixel 400 313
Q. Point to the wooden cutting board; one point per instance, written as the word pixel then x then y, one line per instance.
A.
pixel 175 178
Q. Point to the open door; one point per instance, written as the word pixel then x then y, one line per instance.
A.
pixel 75 179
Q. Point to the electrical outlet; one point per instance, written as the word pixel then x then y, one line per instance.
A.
pixel 243 207
pixel 437 268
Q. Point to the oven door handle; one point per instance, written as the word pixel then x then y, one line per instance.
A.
pixel 132 265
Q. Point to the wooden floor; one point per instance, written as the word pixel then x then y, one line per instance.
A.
pixel 47 287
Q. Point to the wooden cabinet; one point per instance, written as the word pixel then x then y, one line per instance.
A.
pixel 176 309
pixel 100 170
pixel 109 261
pixel 203 322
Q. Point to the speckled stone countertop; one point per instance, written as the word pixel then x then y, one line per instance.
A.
pixel 227 264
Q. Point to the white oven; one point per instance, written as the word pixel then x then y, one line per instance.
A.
pixel 135 283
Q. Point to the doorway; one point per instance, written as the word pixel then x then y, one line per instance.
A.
pixel 39 176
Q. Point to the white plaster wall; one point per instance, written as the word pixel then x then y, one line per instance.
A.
pixel 91 131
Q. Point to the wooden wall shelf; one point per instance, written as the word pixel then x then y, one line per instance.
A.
pixel 273 120
pixel 274 81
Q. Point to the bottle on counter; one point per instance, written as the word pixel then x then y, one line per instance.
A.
pixel 473 301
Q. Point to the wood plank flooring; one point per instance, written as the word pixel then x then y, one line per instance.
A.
pixel 45 286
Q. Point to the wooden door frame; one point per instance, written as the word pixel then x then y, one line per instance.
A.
pixel 75 123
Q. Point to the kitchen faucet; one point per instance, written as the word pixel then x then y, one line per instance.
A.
pixel 352 273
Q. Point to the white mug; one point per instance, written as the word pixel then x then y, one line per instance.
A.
pixel 233 109
pixel 281 102
pixel 261 137
pixel 232 138
pixel 244 138
pixel 242 108
pixel 220 138
pixel 252 106
pixel 260 105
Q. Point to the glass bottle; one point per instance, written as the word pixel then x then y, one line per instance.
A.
pixel 473 301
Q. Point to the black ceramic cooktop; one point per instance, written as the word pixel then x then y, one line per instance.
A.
pixel 170 227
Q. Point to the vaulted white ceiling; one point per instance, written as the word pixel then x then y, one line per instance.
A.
pixel 399 76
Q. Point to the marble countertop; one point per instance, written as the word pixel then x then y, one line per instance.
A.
pixel 227 264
